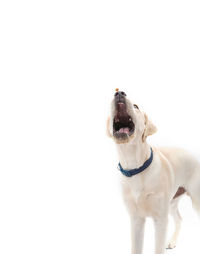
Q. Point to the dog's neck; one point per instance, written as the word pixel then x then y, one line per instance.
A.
pixel 133 155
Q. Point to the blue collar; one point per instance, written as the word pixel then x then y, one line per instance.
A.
pixel 136 171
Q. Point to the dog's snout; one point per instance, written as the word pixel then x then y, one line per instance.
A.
pixel 120 96
pixel 120 93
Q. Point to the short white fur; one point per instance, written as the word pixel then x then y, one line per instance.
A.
pixel 150 193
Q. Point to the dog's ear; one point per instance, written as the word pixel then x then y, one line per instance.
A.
pixel 108 128
pixel 150 128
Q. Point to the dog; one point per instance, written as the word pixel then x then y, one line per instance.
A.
pixel 153 179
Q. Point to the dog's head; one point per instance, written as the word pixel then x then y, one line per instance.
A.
pixel 127 123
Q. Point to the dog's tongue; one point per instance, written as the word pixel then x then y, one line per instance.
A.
pixel 124 130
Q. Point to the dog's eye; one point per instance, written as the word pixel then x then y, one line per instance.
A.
pixel 135 106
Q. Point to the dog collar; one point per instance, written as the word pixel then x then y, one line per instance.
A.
pixel 136 171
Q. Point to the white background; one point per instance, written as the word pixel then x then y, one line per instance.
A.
pixel 60 62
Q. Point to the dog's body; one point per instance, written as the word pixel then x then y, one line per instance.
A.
pixel 156 191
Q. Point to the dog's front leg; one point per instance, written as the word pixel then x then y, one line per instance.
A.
pixel 137 222
pixel 160 234
pixel 137 234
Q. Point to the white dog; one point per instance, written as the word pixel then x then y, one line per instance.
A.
pixel 153 180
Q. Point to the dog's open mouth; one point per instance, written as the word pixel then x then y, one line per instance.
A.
pixel 123 125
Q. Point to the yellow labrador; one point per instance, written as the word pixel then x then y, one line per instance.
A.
pixel 153 180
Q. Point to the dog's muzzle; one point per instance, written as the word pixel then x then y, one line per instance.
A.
pixel 123 126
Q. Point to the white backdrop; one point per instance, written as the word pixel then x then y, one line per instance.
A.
pixel 60 62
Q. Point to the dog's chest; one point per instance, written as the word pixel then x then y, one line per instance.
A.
pixel 136 189
pixel 141 197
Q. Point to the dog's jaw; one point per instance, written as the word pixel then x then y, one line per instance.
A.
pixel 122 126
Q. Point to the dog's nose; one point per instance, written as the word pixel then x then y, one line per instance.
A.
pixel 120 96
